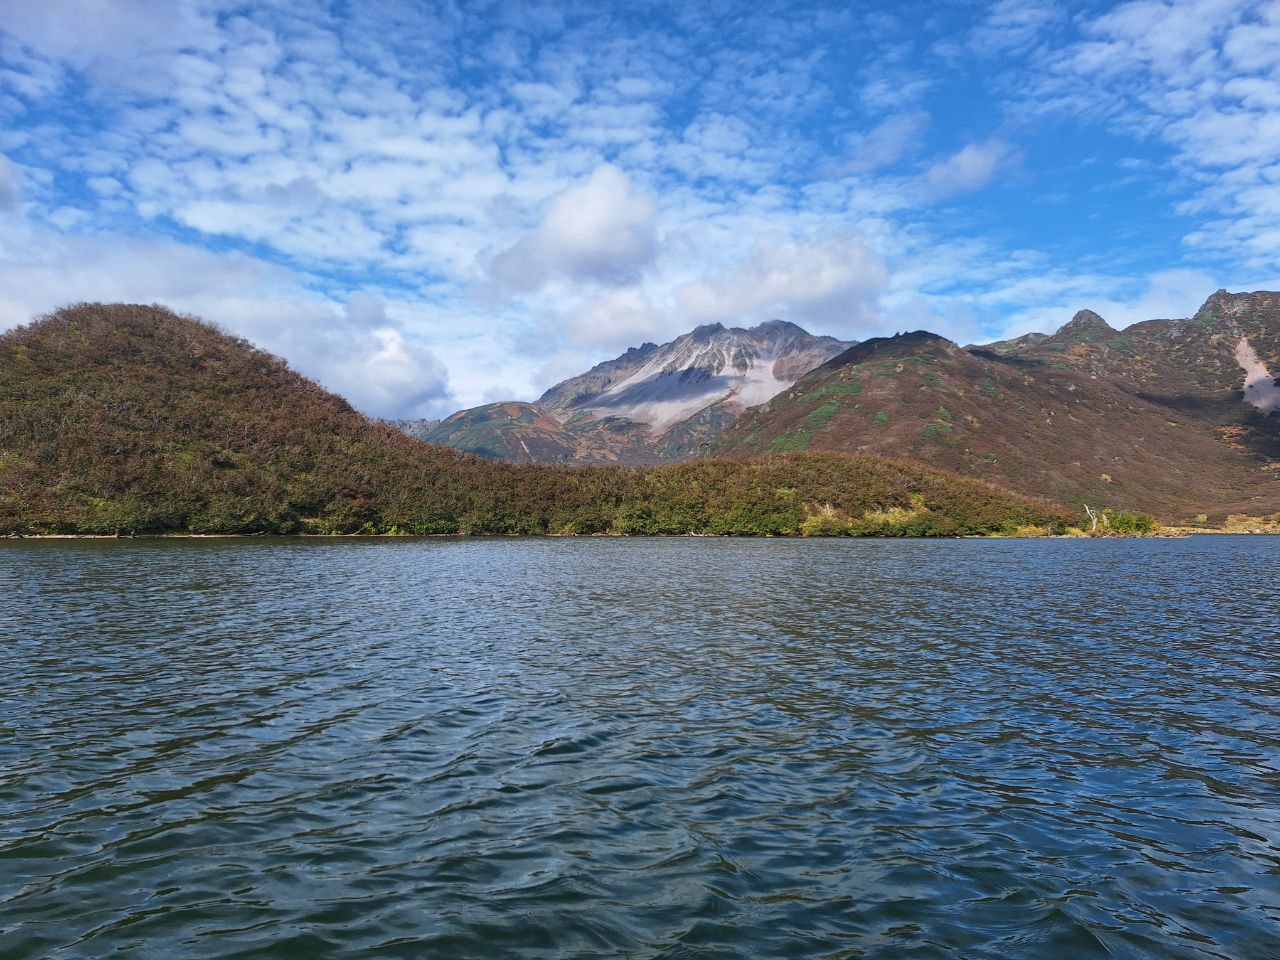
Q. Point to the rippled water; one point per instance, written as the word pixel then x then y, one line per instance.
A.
pixel 640 748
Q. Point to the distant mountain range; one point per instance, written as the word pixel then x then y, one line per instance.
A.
pixel 654 403
pixel 1177 416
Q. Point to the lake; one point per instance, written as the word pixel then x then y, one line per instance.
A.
pixel 676 748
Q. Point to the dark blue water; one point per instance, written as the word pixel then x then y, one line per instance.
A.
pixel 640 748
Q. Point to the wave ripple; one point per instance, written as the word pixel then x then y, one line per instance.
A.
pixel 642 748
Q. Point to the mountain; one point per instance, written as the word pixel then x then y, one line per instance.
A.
pixel 652 404
pixel 524 433
pixel 1174 416
pixel 664 386
pixel 518 432
pixel 127 418
pixel 415 426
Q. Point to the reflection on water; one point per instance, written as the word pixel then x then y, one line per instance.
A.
pixel 642 748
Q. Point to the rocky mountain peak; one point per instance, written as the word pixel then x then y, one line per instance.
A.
pixel 779 328
pixel 1086 321
pixel 706 331
pixel 1216 302
pixel 711 365
pixel 1233 305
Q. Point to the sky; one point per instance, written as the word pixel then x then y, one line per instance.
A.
pixel 426 206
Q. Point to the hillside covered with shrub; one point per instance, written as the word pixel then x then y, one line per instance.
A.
pixel 132 419
pixel 1175 417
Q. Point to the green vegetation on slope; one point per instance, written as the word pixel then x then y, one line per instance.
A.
pixel 517 432
pixel 1162 427
pixel 123 418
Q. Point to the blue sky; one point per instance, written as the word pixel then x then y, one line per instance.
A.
pixel 426 206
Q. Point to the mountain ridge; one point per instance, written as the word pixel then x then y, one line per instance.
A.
pixel 654 403
pixel 1155 416
pixel 123 418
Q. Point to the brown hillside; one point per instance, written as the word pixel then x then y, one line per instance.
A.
pixel 1149 418
pixel 120 418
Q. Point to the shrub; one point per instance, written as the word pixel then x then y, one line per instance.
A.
pixel 1126 521
pixel 125 418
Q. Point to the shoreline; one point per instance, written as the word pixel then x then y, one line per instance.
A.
pixel 1168 533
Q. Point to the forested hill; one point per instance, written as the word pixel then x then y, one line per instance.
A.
pixel 128 418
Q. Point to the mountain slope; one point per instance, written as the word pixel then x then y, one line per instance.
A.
pixel 1216 368
pixel 663 386
pixel 652 404
pixel 131 418
pixel 518 432
pixel 1154 417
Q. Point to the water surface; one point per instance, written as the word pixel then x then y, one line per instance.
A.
pixel 640 748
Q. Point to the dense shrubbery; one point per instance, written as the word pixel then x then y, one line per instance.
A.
pixel 1127 522
pixel 124 418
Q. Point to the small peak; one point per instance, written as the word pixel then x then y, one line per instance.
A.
pixel 706 331
pixel 1084 321
pixel 1222 302
pixel 920 336
pixel 900 345
pixel 1087 316
pixel 783 327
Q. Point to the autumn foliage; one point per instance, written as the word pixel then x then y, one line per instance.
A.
pixel 128 418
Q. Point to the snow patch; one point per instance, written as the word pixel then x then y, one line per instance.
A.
pixel 1260 387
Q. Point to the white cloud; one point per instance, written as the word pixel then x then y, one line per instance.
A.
pixel 601 229
pixel 1203 76
pixel 971 168
pixel 622 177
pixel 10 184
pixel 832 284
pixel 897 90
pixel 356 351
pixel 614 319
pixel 1012 25
pixel 392 376
pixel 365 310
pixel 122 42
pixel 887 143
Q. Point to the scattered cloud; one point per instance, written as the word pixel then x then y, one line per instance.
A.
pixel 887 143
pixel 1203 78
pixel 601 229
pixel 970 168
pixel 10 184
pixel 833 285
pixel 1013 25
pixel 415 204
pixel 354 349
